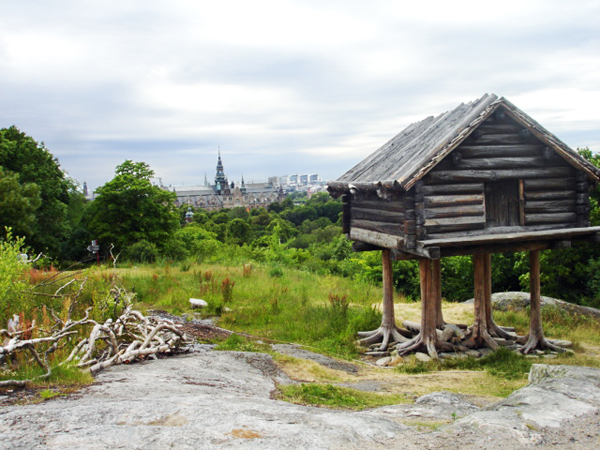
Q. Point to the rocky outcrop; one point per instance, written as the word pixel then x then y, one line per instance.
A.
pixel 504 301
pixel 219 400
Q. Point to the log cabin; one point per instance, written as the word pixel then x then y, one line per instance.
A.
pixel 483 178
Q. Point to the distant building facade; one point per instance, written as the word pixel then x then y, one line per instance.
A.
pixel 223 194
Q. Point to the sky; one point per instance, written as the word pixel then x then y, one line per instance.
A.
pixel 281 86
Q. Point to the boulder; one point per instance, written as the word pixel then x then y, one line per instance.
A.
pixel 198 303
pixel 504 301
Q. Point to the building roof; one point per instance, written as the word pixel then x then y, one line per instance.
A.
pixel 191 190
pixel 412 153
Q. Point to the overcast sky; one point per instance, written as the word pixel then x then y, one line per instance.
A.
pixel 281 86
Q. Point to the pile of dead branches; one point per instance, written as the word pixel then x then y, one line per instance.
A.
pixel 128 338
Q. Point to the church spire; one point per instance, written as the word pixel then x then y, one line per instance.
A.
pixel 220 178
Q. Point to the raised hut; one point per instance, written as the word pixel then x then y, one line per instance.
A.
pixel 481 179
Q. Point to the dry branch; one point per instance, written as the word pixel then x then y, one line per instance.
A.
pixel 131 337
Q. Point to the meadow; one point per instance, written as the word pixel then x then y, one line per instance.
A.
pixel 268 303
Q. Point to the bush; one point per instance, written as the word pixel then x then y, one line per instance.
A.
pixel 12 280
pixel 142 252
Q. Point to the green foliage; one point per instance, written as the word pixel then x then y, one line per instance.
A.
pixel 335 396
pixel 457 278
pixel 238 343
pixel 44 192
pixel 18 203
pixel 129 209
pixel 142 252
pixel 12 277
pixel 503 363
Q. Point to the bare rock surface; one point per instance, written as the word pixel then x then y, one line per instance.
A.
pixel 298 352
pixel 218 400
pixel 504 301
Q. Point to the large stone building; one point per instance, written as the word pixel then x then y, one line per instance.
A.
pixel 223 194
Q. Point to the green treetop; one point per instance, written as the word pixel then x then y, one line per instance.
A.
pixel 129 209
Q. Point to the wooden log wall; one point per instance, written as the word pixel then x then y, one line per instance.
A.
pixel 450 200
pixel 377 215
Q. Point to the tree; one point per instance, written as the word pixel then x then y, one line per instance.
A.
pixel 129 209
pixel 35 166
pixel 238 231
pixel 18 203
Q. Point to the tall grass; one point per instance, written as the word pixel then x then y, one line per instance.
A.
pixel 322 311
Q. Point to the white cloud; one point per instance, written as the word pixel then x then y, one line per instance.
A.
pixel 281 83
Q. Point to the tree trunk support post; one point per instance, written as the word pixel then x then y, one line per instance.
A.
pixel 436 280
pixel 492 327
pixel 388 331
pixel 536 339
pixel 430 274
pixel 482 273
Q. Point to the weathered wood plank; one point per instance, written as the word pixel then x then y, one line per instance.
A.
pixel 550 195
pixel 583 198
pixel 454 211
pixel 454 224
pixel 410 227
pixel 521 203
pixel 375 238
pixel 550 218
pixel 455 221
pixel 470 234
pixel 453 189
pixel 437 201
pixel 488 138
pixel 380 227
pixel 379 205
pixel 498 128
pixel 346 214
pixel 495 248
pixel 491 151
pixel 372 214
pixel 515 234
pixel 489 175
pixel 549 206
pixel 515 162
pixel 543 184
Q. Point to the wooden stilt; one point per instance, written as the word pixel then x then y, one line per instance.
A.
pixel 430 297
pixel 479 333
pixel 536 339
pixel 436 281
pixel 388 331
pixel 492 328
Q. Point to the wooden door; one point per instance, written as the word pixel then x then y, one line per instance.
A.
pixel 502 204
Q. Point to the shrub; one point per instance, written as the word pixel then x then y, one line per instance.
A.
pixel 142 252
pixel 12 276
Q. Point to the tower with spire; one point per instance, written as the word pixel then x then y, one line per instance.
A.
pixel 221 184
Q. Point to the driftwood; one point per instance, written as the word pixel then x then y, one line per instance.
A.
pixel 132 336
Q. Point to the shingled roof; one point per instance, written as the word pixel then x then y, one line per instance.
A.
pixel 413 152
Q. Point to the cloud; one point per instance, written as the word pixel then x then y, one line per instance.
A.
pixel 281 86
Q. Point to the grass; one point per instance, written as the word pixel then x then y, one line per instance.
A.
pixel 324 313
pixel 237 343
pixel 65 375
pixel 336 397
pixel 295 306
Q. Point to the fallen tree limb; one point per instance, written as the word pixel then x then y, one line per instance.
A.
pixel 129 338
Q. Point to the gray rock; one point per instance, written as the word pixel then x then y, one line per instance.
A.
pixel 298 352
pixel 383 361
pixel 504 301
pixel 422 357
pixel 198 303
pixel 562 343
pixel 222 400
